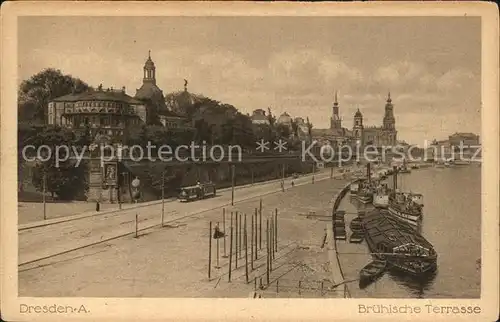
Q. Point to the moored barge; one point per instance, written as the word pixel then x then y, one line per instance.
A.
pixel 399 244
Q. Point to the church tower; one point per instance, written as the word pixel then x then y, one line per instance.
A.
pixel 335 121
pixel 357 129
pixel 389 122
pixel 389 134
pixel 149 71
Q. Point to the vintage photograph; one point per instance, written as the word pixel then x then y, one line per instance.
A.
pixel 239 156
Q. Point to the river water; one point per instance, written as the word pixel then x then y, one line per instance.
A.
pixel 452 223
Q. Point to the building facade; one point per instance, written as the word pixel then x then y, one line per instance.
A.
pixel 104 111
pixel 385 135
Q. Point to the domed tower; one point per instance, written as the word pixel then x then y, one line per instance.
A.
pixel 389 122
pixel 335 121
pixel 357 129
pixel 149 70
pixel 150 93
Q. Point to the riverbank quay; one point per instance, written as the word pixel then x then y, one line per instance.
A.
pixel 48 240
pixel 173 261
pixel 30 213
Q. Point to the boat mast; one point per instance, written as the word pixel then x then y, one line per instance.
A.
pixel 395 177
pixel 368 172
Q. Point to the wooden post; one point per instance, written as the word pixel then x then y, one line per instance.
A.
pixel 252 251
pixel 299 287
pixel 136 224
pixel 162 197
pixel 268 255
pixel 314 171
pixel 255 283
pixel 270 236
pixel 241 236
pixel 277 286
pixel 283 177
pixel 43 194
pixel 276 229
pixel 232 185
pixel 322 283
pixel 260 224
pixel 217 244
pixel 230 252
pixel 246 250
pixel 209 250
pixel 236 240
pixel 256 248
pixel 224 229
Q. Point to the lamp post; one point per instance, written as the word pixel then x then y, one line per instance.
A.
pixel 162 196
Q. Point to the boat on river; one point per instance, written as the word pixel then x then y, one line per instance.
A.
pixel 381 196
pixel 396 242
pixel 371 272
pixel 406 207
pixel 365 195
pixel 354 187
pixel 404 168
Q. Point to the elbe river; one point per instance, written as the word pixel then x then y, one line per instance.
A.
pixel 452 223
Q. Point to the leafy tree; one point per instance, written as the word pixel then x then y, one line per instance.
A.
pixel 66 180
pixel 35 93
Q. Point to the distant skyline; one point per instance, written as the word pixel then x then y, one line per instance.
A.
pixel 431 65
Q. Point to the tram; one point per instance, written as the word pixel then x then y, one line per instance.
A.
pixel 197 192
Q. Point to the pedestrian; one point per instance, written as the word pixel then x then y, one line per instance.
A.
pixel 293 184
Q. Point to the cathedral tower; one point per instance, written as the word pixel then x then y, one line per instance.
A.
pixel 357 129
pixel 389 122
pixel 335 121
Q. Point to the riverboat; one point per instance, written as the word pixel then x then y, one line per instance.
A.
pixel 371 272
pixel 404 168
pixel 462 162
pixel 398 244
pixel 381 197
pixel 197 192
pixel 406 207
pixel 354 187
pixel 365 195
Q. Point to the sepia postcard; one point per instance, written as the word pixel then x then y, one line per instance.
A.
pixel 259 161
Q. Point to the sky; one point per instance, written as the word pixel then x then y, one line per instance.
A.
pixel 431 65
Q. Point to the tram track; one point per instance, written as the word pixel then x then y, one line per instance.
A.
pixel 99 239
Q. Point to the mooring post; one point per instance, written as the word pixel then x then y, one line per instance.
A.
pixel 217 242
pixel 276 229
pixel 260 224
pixel 209 250
pixel 246 252
pixel 224 229
pixel 230 252
pixel 236 240
pixel 268 254
pixel 241 236
pixel 252 251
pixel 136 225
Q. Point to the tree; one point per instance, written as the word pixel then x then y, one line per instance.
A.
pixel 66 180
pixel 35 93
